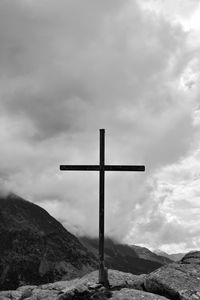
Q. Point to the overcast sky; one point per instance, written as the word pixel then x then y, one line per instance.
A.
pixel 70 67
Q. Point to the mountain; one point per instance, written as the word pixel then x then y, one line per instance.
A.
pixel 35 248
pixel 145 253
pixel 124 257
pixel 174 257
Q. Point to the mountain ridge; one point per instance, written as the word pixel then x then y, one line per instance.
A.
pixel 145 253
pixel 172 256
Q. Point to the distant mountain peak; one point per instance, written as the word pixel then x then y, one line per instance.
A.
pixel 173 256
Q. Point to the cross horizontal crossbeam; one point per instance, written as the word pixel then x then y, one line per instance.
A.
pixel 98 168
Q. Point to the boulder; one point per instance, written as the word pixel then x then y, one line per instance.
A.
pixel 87 285
pixel 129 294
pixel 117 279
pixel 7 295
pixel 191 258
pixel 176 281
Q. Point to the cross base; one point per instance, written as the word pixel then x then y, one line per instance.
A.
pixel 103 275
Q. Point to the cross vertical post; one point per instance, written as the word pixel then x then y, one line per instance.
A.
pixel 101 205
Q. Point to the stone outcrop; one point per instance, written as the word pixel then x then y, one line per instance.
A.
pixel 128 294
pixel 191 258
pixel 122 286
pixel 178 281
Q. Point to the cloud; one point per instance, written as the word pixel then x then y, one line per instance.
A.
pixel 68 68
pixel 179 10
pixel 170 219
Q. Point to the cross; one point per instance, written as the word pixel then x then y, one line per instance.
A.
pixel 101 168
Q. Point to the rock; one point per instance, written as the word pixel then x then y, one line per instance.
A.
pixel 26 291
pixel 191 258
pixel 175 281
pixel 87 287
pixel 128 294
pixel 117 280
pixel 40 293
pixel 7 295
pixel 122 286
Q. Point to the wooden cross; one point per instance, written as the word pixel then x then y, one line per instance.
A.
pixel 101 168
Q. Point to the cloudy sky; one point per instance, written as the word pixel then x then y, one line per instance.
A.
pixel 70 67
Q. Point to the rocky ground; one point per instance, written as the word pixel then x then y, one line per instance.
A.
pixel 176 281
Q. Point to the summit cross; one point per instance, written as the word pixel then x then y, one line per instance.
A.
pixel 103 279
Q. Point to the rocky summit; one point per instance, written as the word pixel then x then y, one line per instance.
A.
pixel 191 258
pixel 122 286
pixel 176 281
pixel 35 248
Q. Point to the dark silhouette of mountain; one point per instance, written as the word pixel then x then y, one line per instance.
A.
pixel 173 256
pixel 122 257
pixel 35 248
pixel 145 253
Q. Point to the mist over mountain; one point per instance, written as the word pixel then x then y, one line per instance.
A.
pixel 35 248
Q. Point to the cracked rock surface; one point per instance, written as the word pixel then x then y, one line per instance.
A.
pixel 122 286
pixel 126 294
pixel 178 281
pixel 191 258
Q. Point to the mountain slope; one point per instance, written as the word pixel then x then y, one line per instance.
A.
pixel 121 257
pixel 147 254
pixel 35 248
pixel 173 257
